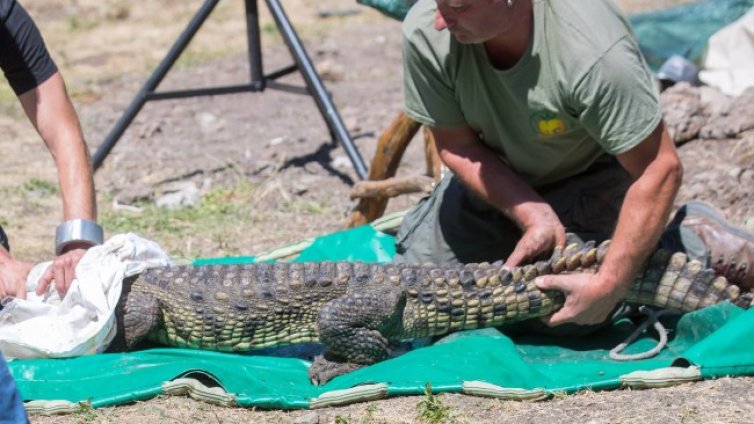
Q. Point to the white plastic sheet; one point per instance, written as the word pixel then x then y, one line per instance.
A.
pixel 729 61
pixel 83 321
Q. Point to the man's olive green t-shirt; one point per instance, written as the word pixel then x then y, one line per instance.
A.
pixel 582 89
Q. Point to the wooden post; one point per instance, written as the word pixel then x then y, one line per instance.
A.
pixel 390 149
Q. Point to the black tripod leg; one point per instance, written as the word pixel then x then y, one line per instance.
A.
pixel 154 80
pixel 317 89
pixel 254 45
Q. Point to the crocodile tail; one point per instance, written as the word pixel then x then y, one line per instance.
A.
pixel 668 280
pixel 672 281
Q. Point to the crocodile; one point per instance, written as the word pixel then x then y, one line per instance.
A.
pixel 358 310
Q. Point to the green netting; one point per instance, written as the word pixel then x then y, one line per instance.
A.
pixel 682 30
pixel 703 344
pixel 395 9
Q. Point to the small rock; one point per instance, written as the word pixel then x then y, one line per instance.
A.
pixel 178 194
pixel 735 172
pixel 330 71
pixel 150 130
pixel 209 123
pixel 352 123
pixel 743 150
pixel 714 102
pixel 341 162
pixel 682 111
pixel 739 118
pixel 312 168
pixel 310 418
pixel 276 141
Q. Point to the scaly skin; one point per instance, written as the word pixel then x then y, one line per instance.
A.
pixel 356 310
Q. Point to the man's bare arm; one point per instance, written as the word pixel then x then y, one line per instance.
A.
pixel 481 170
pixel 50 111
pixel 657 172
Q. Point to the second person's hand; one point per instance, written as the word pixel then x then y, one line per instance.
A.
pixel 61 272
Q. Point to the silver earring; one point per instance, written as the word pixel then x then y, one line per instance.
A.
pixel 510 3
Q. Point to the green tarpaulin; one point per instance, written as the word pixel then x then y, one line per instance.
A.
pixel 704 344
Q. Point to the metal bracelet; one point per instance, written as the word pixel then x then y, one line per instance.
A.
pixel 77 231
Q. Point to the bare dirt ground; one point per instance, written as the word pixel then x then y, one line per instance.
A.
pixel 268 175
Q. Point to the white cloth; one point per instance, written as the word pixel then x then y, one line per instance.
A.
pixel 729 61
pixel 83 321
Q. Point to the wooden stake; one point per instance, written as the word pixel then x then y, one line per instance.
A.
pixel 392 187
pixel 390 149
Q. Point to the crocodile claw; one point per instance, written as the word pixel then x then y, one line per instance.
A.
pixel 323 370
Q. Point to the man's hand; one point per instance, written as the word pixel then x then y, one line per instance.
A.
pixel 542 232
pixel 61 271
pixel 13 275
pixel 535 241
pixel 589 299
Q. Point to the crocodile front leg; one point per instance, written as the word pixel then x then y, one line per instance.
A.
pixel 356 330
pixel 136 314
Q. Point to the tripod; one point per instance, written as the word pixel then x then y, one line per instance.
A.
pixel 259 81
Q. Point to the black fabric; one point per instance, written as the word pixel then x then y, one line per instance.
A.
pixel 4 239
pixel 24 58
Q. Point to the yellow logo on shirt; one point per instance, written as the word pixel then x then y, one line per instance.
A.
pixel 548 124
